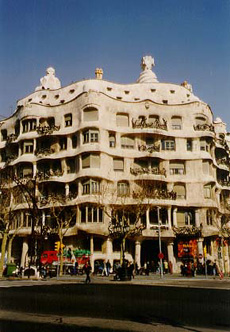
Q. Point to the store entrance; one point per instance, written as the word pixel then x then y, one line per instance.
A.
pixel 149 253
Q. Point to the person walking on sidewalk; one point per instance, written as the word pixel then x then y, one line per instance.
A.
pixel 87 269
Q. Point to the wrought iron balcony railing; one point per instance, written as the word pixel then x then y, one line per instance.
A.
pixel 11 138
pixel 147 170
pixel 44 152
pixel 47 130
pixel 204 127
pixel 143 123
pixel 156 194
pixel 149 148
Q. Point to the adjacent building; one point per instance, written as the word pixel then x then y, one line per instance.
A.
pixel 76 139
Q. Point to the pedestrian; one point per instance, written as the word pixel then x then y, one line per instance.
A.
pixel 170 267
pixel 87 269
pixel 108 267
pixel 166 267
pixel 214 269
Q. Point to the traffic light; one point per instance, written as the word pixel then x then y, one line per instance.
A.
pixel 61 247
pixel 57 246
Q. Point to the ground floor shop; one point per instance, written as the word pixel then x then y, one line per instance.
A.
pixel 176 251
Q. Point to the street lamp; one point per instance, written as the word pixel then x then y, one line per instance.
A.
pixel 160 255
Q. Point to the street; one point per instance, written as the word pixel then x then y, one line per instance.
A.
pixel 173 302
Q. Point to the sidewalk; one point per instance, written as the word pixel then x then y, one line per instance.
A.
pixel 199 281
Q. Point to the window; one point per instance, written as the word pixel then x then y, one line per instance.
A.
pixel 29 125
pixel 204 146
pixel 71 167
pixel 91 214
pixel 207 191
pixel 68 120
pixel 4 134
pixel 209 217
pixel 200 120
pixel 90 136
pixel 176 123
pixel 177 168
pixel 90 114
pixel 91 187
pixel 118 164
pixel 179 189
pixel 63 143
pixel 25 171
pixel 90 161
pixel 127 142
pixel 122 189
pixel 185 218
pixel 168 145
pixel 122 120
pixel 112 140
pixel 28 147
pixel 74 141
pixel 189 144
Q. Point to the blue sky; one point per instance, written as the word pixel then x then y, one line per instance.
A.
pixel 189 39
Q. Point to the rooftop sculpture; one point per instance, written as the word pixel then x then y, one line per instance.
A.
pixel 49 82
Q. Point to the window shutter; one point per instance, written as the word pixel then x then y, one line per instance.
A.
pixel 200 121
pixel 180 218
pixel 122 120
pixel 90 114
pixel 95 161
pixel 85 161
pixel 179 190
pixel 118 164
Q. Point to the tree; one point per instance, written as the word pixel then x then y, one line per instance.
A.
pixel 7 217
pixel 62 215
pixel 126 212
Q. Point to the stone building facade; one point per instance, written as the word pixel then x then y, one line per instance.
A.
pixel 77 138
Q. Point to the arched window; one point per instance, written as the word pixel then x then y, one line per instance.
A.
pixel 200 120
pixel 122 120
pixel 90 114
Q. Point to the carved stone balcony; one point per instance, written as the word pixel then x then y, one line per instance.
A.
pixel 147 170
pixel 47 130
pixel 43 152
pixel 149 148
pixel 204 127
pixel 156 124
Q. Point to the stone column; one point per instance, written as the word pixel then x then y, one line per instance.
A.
pixel 200 248
pixel 171 257
pixel 138 254
pixel 92 253
pixel 147 219
pixel 34 169
pixel 66 190
pixel 226 259
pixel 169 217
pixel 24 256
pixel 175 217
pixel 109 251
pixel 197 218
